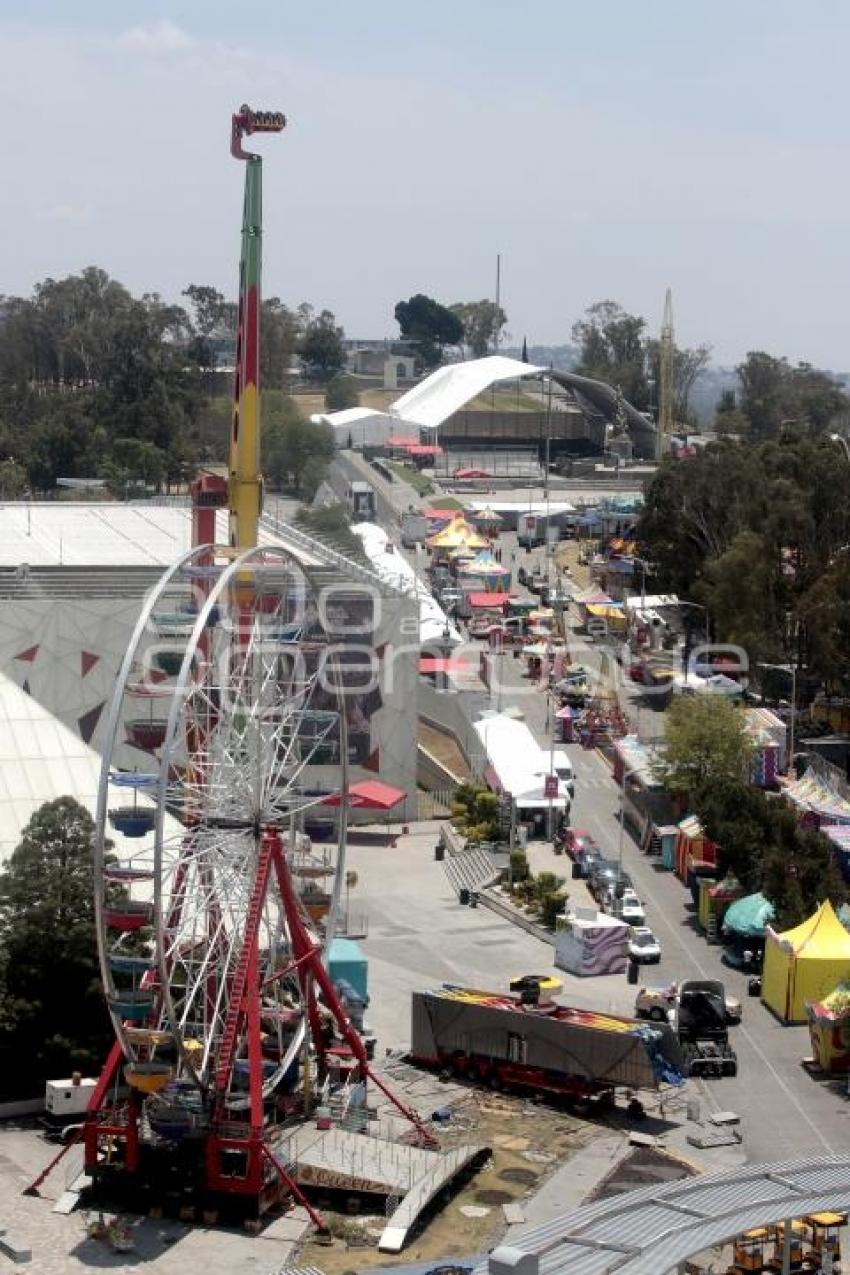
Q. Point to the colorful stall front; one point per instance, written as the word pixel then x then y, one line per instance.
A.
pixel 829 1030
pixel 804 964
pixel 769 737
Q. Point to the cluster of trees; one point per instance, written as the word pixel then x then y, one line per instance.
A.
pixel 431 327
pixel 760 535
pixel 97 383
pixel 706 761
pixel 53 1018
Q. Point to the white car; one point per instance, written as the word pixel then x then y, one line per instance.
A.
pixel 628 908
pixel 643 946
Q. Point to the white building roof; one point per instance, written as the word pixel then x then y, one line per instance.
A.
pixel 518 761
pixel 41 760
pixel 445 391
pixel 110 534
pixel 430 402
pixel 541 508
pixel 393 568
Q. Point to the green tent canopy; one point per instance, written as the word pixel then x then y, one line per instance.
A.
pixel 748 917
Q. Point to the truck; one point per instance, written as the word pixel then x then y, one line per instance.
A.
pixel 362 504
pixel 702 1028
pixel 517 1042
pixel 414 529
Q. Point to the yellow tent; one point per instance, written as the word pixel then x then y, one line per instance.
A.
pixel 455 534
pixel 804 964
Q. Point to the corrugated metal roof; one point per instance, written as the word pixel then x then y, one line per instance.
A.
pixel 650 1231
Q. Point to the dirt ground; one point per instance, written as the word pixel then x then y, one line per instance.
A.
pixel 528 1142
pixel 445 750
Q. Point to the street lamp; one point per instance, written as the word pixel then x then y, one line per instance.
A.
pixel 792 669
pixel 627 774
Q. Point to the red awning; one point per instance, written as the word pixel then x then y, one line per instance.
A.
pixel 442 664
pixel 423 449
pixel 448 514
pixel 490 601
pixel 472 473
pixel 369 794
pixel 396 440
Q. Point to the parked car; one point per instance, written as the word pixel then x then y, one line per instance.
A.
pixel 643 946
pixel 450 599
pixel 656 1003
pixel 607 874
pixel 578 843
pixel 522 576
pixel 591 856
pixel 626 907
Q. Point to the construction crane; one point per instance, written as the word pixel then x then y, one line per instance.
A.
pixel 665 379
pixel 245 479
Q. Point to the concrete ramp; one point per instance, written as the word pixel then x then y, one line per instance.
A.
pixel 423 1191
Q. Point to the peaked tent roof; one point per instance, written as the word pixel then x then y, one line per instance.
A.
pixel 445 391
pixel 821 936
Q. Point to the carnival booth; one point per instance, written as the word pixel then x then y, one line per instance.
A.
pixel 694 851
pixel 714 898
pixel 829 1029
pixel 804 964
pixel 839 836
pixel 589 942
pixel 817 800
pixel 769 737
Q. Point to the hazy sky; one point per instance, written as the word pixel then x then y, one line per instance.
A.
pixel 606 149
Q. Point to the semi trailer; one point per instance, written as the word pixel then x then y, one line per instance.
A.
pixel 516 1042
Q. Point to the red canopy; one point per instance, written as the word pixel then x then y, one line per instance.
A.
pixel 397 440
pixel 442 664
pixel 369 794
pixel 472 473
pixel 448 514
pixel 492 601
pixel 423 449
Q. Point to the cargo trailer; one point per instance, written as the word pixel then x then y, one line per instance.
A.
pixel 507 1042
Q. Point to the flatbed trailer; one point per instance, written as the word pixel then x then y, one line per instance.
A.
pixel 500 1040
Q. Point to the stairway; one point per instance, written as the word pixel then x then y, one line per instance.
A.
pixel 472 869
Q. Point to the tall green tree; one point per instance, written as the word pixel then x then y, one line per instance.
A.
pixel 706 745
pixel 429 325
pixel 482 323
pixel 53 1019
pixel 611 344
pixel 295 452
pixel 320 345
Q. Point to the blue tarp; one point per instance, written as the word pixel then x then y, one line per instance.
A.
pixel 748 917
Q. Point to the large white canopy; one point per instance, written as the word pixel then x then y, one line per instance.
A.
pixel 517 761
pixel 445 391
pixel 429 403
pixel 393 568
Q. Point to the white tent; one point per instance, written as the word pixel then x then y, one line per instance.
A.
pixel 429 403
pixel 393 568
pixel 445 391
pixel 517 763
pixel 41 760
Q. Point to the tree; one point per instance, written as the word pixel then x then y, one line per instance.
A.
pixel 132 464
pixel 53 1018
pixel 429 325
pixel 290 443
pixel 747 596
pixel 777 396
pixel 280 330
pixel 320 345
pixel 825 612
pixel 341 392
pixel 13 480
pixel 688 366
pixel 475 810
pixel 612 350
pixel 332 525
pixel 706 745
pixel 728 417
pixel 482 322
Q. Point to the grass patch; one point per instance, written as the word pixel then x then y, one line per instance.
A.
pixel 420 484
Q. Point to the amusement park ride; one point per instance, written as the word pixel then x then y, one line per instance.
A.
pixel 228 1027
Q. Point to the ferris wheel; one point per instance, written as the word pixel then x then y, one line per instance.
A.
pixel 230 695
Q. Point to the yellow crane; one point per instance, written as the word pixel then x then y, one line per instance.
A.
pixel 667 347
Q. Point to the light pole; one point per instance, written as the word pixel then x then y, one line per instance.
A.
pixel 627 774
pixel 792 669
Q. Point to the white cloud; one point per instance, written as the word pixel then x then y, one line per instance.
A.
pixel 156 37
pixel 66 214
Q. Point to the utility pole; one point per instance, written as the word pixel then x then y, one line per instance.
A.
pixel 667 344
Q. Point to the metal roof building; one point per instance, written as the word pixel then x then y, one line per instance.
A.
pixel 654 1230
